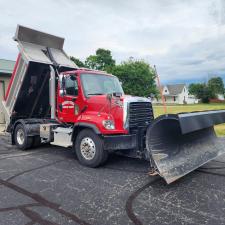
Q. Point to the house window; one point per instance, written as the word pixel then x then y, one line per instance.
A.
pixel 174 98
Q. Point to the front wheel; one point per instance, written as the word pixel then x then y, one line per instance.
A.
pixel 21 139
pixel 89 148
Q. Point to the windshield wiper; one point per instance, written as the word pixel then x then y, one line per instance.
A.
pixel 96 94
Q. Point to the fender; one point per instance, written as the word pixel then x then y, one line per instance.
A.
pixel 82 125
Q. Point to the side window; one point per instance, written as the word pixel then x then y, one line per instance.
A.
pixel 71 85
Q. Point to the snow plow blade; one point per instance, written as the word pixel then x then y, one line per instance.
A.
pixel 179 144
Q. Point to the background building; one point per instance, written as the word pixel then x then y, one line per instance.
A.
pixel 6 69
pixel 176 94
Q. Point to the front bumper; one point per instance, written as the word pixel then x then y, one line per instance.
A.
pixel 120 142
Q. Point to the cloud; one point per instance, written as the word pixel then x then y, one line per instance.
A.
pixel 185 39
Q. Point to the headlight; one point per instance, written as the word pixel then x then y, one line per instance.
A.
pixel 108 124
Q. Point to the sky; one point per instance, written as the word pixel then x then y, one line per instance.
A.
pixel 185 39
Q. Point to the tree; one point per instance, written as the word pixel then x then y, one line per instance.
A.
pixel 137 76
pixel 77 61
pixel 216 86
pixel 206 94
pixel 102 60
pixel 196 89
pixel 201 91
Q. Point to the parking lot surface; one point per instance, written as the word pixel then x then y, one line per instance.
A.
pixel 47 185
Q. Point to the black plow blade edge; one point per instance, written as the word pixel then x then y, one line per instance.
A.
pixel 177 149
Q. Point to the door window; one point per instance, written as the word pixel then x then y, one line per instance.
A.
pixel 71 85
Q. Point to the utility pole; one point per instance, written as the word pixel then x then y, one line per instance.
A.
pixel 161 91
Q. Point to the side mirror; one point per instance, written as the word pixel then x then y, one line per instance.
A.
pixel 63 82
pixel 117 94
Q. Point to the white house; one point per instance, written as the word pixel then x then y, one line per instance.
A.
pixel 220 97
pixel 176 94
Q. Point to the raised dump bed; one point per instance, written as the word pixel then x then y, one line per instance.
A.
pixel 28 92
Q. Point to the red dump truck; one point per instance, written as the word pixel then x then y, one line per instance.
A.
pixel 51 100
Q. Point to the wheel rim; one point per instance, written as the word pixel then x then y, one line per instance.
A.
pixel 87 147
pixel 20 136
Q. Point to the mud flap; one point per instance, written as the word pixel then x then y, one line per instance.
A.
pixel 179 144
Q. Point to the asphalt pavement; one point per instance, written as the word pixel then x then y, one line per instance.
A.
pixel 48 186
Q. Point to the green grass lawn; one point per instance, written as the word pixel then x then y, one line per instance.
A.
pixel 220 129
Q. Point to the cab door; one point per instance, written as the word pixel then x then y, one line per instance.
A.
pixel 69 100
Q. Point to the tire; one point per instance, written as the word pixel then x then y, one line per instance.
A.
pixel 105 157
pixel 21 139
pixel 36 141
pixel 89 148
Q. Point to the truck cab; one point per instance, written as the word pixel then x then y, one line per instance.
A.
pixel 85 95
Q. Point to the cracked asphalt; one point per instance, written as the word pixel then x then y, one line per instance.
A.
pixel 47 186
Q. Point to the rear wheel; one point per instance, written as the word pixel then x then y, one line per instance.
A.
pixel 21 139
pixel 89 148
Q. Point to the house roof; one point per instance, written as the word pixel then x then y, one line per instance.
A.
pixel 6 66
pixel 175 89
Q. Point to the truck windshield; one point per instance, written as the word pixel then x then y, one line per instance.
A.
pixel 100 84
